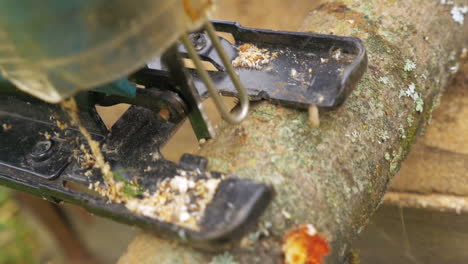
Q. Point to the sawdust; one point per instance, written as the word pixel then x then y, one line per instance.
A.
pixel 181 200
pixel 61 125
pixel 46 135
pixel 324 60
pixel 337 54
pixel 251 57
pixel 6 127
pixel 72 110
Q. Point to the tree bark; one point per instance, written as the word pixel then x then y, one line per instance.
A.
pixel 334 177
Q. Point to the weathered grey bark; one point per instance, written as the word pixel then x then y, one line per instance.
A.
pixel 334 177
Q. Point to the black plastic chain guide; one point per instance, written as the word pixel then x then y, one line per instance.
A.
pixel 309 69
pixel 38 157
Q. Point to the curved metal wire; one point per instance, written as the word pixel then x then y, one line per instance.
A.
pixel 204 76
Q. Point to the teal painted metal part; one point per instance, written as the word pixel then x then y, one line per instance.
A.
pixel 120 87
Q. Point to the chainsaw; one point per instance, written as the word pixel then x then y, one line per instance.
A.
pixel 44 151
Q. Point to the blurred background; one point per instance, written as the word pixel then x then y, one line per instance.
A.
pixel 401 231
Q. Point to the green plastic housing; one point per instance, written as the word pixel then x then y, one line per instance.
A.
pixel 55 48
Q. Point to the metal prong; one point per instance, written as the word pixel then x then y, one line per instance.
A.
pixel 197 116
pixel 204 76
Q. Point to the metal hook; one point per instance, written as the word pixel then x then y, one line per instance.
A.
pixel 204 76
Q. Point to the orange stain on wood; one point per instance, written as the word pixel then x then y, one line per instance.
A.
pixel 305 246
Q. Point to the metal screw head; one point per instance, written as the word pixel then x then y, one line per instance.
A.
pixel 199 40
pixel 41 151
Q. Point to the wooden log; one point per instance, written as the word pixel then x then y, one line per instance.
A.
pixel 334 176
